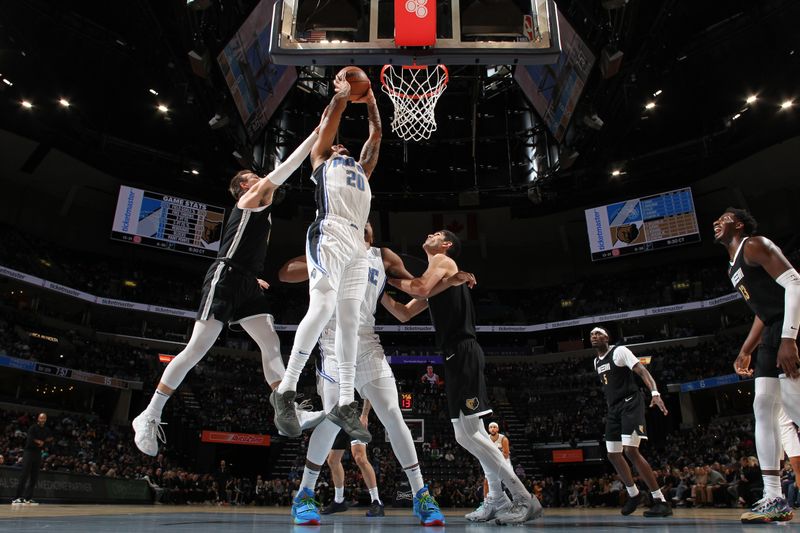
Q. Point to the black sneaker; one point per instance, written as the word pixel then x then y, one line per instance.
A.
pixel 659 508
pixel 346 417
pixel 334 507
pixel 375 509
pixel 631 505
pixel 285 415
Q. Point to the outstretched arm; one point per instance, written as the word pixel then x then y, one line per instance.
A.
pixel 330 122
pixel 394 265
pixel 763 252
pixel 369 153
pixel 402 312
pixel 422 287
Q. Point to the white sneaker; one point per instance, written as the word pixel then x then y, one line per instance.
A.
pixel 148 432
pixel 30 502
pixel 521 510
pixel 18 501
pixel 308 419
pixel 489 508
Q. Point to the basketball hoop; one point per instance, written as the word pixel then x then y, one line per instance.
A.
pixel 414 91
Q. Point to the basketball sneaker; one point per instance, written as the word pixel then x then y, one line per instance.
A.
pixel 659 508
pixel 631 504
pixel 489 508
pixel 768 510
pixel 304 509
pixel 426 508
pixel 521 510
pixel 347 418
pixel 147 432
pixel 306 416
pixel 334 507
pixel 285 413
pixel 18 501
pixel 375 509
pixel 30 502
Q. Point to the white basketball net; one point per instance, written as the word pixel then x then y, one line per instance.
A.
pixel 414 92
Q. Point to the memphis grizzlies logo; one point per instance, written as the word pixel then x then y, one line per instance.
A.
pixel 472 403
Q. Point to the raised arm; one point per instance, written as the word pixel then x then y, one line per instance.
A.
pixel 330 122
pixel 294 270
pixel 763 252
pixel 439 267
pixel 403 312
pixel 371 148
pixel 393 265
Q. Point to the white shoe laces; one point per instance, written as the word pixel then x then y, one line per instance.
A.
pixel 156 431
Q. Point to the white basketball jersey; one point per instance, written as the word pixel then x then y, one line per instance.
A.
pixel 376 281
pixel 499 441
pixel 344 191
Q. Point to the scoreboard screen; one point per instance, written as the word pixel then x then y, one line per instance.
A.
pixel 167 222
pixel 642 224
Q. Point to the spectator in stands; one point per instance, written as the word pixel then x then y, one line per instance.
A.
pixel 38 436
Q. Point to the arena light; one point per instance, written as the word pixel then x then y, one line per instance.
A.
pixel 737 115
pixel 63 102
pixel 153 92
pixel 195 172
pixel 751 99
pixel 657 92
pixel 164 109
pixel 7 82
pixel 26 104
pixel 616 172
pixel 650 105
pixel 786 104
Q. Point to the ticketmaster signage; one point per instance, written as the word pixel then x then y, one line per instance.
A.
pixel 77 488
pixel 584 321
pixel 67 373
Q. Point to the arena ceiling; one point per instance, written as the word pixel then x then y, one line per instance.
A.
pixel 702 59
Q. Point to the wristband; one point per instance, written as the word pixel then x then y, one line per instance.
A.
pixel 655 393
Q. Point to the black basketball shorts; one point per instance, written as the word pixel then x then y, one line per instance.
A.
pixel 626 417
pixel 465 383
pixel 766 358
pixel 230 295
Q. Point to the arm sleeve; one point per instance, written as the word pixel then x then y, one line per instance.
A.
pixel 293 162
pixel 790 281
pixel 624 357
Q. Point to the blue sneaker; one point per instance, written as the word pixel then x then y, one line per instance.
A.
pixel 426 508
pixel 305 509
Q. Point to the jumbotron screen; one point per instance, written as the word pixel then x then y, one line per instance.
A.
pixel 642 224
pixel 167 222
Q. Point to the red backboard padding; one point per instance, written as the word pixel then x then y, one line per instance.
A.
pixel 415 22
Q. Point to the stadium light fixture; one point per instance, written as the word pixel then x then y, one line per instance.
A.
pixel 7 82
pixel 164 109
pixel 26 104
pixel 751 99
pixel 786 104
pixel 63 102
pixel 650 105
pixel 153 92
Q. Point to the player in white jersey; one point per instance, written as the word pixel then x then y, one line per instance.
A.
pixel 336 263
pixel 374 381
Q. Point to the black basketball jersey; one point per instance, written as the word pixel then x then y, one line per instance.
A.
pixel 762 293
pixel 618 381
pixel 453 316
pixel 245 238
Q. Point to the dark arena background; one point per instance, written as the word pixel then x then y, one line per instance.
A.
pixel 582 152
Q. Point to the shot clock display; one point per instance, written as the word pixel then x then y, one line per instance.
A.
pixel 406 401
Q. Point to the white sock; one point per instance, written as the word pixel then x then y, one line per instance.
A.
pixel 658 495
pixel 157 403
pixel 633 491
pixel 414 475
pixel 347 376
pixel 772 487
pixel 297 362
pixel 373 494
pixel 339 494
pixel 309 480
pixel 346 346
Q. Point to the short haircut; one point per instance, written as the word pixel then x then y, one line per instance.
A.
pixel 235 187
pixel 454 250
pixel 744 216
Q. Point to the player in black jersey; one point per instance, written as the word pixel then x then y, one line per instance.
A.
pixel 625 423
pixel 771 288
pixel 232 293
pixel 453 317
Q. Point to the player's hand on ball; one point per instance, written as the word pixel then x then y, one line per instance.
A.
pixel 263 284
pixel 658 402
pixel 341 86
pixel 788 359
pixel 368 98
pixel 742 365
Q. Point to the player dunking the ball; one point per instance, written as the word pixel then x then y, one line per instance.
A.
pixel 625 422
pixel 771 288
pixel 232 293
pixel 453 317
pixel 337 262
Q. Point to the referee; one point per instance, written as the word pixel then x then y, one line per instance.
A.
pixel 38 435
pixel 625 423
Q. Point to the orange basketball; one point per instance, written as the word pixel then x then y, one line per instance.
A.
pixel 358 80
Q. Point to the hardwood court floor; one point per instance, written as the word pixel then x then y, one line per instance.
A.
pixel 195 519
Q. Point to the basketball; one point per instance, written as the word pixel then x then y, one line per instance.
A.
pixel 358 80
